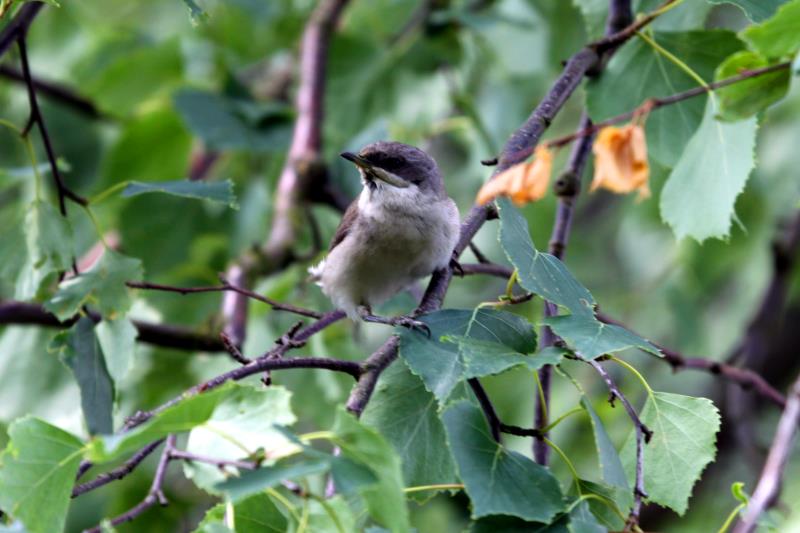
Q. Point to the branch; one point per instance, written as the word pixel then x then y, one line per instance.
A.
pixel 643 435
pixel 118 473
pixel 655 103
pixel 165 335
pixel 219 463
pixel 769 485
pixel 567 187
pixel 303 171
pixel 372 368
pixel 19 25
pixel 37 118
pixel 154 495
pixel 54 91
pixel 226 286
pixel 518 147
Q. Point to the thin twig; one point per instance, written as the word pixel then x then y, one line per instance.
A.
pixel 235 353
pixel 643 435
pixel 119 472
pixel 495 426
pixel 372 368
pixel 165 335
pixel 227 286
pixel 769 484
pixel 655 103
pixel 37 118
pixel 303 172
pixel 154 495
pixel 19 25
pixel 55 92
pixel 218 462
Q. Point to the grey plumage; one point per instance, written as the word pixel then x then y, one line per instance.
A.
pixel 402 227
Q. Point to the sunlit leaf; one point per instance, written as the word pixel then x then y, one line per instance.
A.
pixel 185 415
pixel 118 341
pixel 240 426
pixel 683 443
pixel 385 499
pixel 37 474
pixel 746 98
pixel 637 72
pixel 778 36
pixel 103 286
pixel 215 191
pixel 698 199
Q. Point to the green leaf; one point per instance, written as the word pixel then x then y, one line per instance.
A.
pixel 133 77
pixel 442 364
pixel 778 36
pixel 684 434
pixel 49 244
pixel 330 515
pixel 594 16
pixel 610 464
pixel 229 124
pixel 196 12
pixel 239 427
pixel 81 353
pixel 117 339
pixel 746 98
pixel 103 285
pixel 485 358
pixel 406 414
pixel 756 10
pixel 385 500
pixel 538 272
pixel 161 135
pixel 49 237
pixel 185 415
pixel 637 72
pixel 215 191
pixel 498 481
pixel 698 198
pixel 592 338
pixel 37 474
pixel 255 514
pixel 611 507
pixel 255 481
pixel 687 16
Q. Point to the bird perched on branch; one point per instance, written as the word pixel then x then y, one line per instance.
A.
pixel 402 227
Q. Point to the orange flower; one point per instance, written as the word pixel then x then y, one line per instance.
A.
pixel 620 161
pixel 523 183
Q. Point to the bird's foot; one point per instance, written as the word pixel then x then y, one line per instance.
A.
pixel 455 266
pixel 403 321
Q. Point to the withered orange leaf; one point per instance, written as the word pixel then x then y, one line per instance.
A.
pixel 620 160
pixel 523 183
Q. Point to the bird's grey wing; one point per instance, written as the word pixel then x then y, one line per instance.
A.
pixel 345 225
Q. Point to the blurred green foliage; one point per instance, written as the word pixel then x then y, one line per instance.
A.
pixel 170 83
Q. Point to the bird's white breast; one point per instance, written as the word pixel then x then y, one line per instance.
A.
pixel 399 236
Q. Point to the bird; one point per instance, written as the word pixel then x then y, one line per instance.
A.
pixel 403 226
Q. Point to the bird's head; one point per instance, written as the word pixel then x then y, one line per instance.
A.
pixel 393 165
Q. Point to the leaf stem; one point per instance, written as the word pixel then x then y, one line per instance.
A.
pixel 542 399
pixel 102 195
pixel 566 460
pixel 678 62
pixel 561 418
pixel 731 518
pixel 285 502
pixel 442 486
pixel 636 373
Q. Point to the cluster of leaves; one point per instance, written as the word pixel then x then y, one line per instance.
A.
pixel 422 432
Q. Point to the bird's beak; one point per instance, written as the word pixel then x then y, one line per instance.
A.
pixel 375 171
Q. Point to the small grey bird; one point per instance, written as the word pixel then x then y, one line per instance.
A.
pixel 402 227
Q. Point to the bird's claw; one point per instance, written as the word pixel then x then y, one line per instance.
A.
pixel 455 266
pixel 413 324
